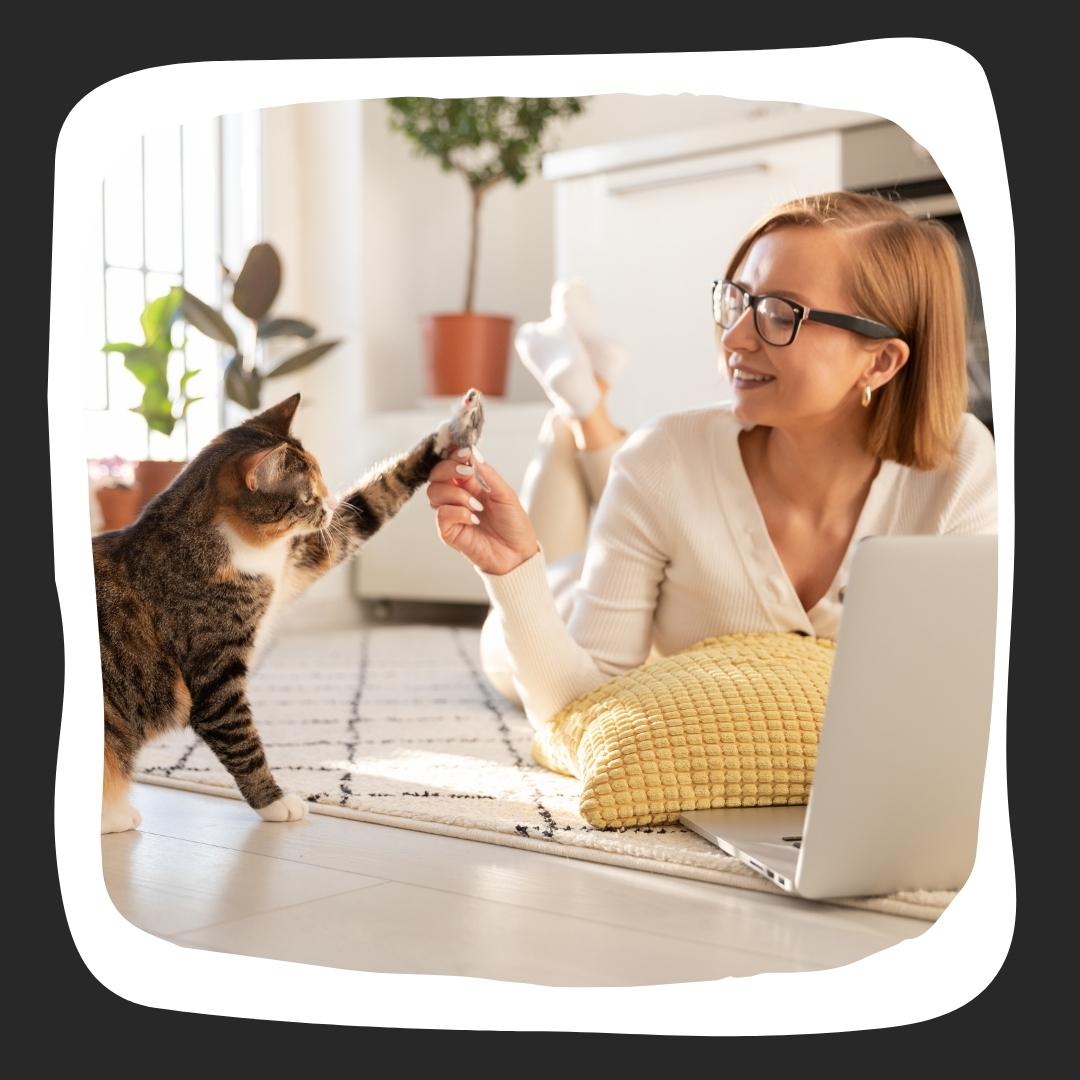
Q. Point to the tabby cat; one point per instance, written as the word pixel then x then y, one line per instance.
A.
pixel 186 591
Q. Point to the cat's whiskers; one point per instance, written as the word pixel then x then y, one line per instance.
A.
pixel 349 506
pixel 336 533
pixel 334 536
pixel 345 530
pixel 337 523
pixel 327 533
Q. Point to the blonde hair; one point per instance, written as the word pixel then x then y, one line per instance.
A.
pixel 906 273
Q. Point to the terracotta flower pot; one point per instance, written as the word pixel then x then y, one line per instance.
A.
pixel 152 477
pixel 119 506
pixel 462 351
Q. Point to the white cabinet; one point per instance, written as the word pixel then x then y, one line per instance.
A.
pixel 406 560
pixel 649 239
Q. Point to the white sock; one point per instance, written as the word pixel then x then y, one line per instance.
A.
pixel 570 300
pixel 556 356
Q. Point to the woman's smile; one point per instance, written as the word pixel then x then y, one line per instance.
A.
pixel 744 378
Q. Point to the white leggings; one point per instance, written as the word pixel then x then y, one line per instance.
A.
pixel 561 488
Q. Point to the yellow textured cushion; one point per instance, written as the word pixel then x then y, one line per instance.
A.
pixel 731 721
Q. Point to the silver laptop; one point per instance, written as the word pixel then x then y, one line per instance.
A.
pixel 894 802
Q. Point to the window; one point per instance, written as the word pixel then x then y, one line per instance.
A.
pixel 175 204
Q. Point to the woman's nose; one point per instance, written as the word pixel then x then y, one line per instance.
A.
pixel 742 334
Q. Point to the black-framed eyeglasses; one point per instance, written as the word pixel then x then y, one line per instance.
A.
pixel 777 319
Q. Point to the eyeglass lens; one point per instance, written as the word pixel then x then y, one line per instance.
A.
pixel 774 318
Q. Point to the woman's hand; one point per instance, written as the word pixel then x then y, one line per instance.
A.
pixel 504 537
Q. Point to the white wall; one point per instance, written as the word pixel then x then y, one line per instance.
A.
pixel 312 192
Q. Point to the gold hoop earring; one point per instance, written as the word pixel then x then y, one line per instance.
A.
pixel 866 396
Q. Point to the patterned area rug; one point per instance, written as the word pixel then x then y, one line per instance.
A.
pixel 397 725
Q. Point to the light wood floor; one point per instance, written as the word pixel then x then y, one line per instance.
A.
pixel 205 872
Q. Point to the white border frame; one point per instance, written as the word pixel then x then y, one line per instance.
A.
pixel 933 974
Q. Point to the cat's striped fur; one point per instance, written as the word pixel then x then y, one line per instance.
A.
pixel 182 592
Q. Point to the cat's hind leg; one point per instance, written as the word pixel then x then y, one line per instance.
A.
pixel 117 813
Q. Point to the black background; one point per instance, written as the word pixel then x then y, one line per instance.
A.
pixel 64 1010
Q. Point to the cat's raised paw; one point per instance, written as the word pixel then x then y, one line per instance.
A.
pixel 464 426
pixel 287 808
pixel 119 817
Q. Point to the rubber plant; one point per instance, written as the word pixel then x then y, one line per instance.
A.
pixel 253 292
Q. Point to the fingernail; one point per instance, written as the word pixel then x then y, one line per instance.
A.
pixel 476 504
pixel 479 457
pixel 475 519
pixel 465 470
pixel 463 454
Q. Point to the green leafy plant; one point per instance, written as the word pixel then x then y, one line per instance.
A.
pixel 487 140
pixel 149 363
pixel 254 291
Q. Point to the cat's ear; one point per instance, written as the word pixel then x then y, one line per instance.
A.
pixel 262 469
pixel 278 417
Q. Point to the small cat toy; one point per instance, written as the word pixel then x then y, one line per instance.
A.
pixel 465 425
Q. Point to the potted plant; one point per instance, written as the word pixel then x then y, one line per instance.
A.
pixel 254 291
pixel 487 141
pixel 113 490
pixel 161 406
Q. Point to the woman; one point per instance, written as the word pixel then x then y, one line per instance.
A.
pixel 840 324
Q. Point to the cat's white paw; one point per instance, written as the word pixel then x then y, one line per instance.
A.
pixel 287 808
pixel 444 439
pixel 119 817
pixel 464 426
